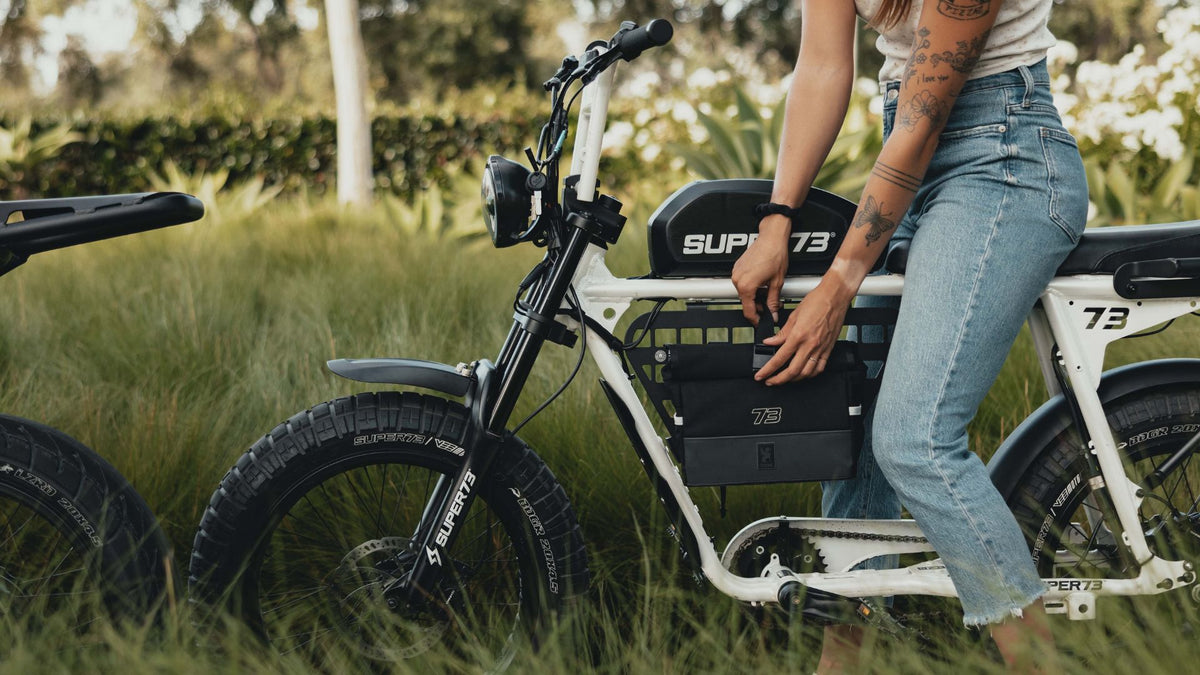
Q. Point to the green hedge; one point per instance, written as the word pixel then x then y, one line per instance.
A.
pixel 299 153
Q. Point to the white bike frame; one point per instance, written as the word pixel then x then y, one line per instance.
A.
pixel 1081 314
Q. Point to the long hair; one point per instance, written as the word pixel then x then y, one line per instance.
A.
pixel 890 13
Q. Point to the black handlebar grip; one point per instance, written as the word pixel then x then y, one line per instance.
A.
pixel 654 34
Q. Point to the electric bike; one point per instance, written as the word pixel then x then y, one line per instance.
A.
pixel 399 518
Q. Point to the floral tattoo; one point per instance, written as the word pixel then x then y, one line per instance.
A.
pixel 964 58
pixel 923 105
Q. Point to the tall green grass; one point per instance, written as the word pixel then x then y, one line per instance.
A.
pixel 171 352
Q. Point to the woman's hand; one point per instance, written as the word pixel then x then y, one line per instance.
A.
pixel 806 340
pixel 763 263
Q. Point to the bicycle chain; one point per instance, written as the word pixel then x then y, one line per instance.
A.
pixel 864 536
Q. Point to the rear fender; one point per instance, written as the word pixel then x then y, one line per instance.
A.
pixel 1038 430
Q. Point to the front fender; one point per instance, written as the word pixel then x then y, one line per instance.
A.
pixel 428 374
pixel 1038 430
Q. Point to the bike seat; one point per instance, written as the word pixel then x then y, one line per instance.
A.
pixel 1102 250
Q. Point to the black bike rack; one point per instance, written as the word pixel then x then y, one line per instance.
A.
pixel 48 224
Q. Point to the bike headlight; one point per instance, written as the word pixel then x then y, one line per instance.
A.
pixel 506 200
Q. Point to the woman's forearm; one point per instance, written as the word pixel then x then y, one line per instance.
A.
pixel 816 107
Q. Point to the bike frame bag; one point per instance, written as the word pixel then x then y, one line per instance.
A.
pixel 738 431
pixel 727 428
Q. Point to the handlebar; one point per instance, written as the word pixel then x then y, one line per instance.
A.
pixel 631 40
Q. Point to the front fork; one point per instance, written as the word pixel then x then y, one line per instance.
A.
pixel 490 401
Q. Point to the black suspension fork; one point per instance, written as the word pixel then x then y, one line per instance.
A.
pixel 490 404
pixel 1091 468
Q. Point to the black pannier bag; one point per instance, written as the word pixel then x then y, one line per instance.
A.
pixel 738 431
pixel 697 367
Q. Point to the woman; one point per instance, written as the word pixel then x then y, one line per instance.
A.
pixel 978 174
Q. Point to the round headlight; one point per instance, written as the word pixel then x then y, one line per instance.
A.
pixel 506 200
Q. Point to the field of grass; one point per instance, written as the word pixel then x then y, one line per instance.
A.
pixel 171 352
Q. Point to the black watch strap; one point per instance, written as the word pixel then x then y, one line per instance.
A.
pixel 771 208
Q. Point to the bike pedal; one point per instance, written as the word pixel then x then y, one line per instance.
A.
pixel 830 608
pixel 814 604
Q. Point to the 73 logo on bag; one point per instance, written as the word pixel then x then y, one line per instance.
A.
pixel 767 416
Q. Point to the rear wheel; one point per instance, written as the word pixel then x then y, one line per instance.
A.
pixel 76 541
pixel 1070 537
pixel 319 517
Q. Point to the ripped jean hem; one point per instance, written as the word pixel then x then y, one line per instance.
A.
pixel 1017 611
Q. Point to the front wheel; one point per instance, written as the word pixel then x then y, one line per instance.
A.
pixel 319 517
pixel 1070 536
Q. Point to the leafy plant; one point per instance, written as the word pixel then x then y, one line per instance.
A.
pixel 221 201
pixel 439 213
pixel 22 148
pixel 746 146
pixel 1119 196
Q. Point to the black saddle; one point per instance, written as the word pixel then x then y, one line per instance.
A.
pixel 1103 250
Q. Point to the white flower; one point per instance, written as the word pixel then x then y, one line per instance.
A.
pixel 1168 145
pixel 617 136
pixel 1065 101
pixel 702 78
pixel 642 83
pixel 1061 54
pixel 683 111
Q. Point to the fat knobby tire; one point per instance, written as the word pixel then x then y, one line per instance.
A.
pixel 520 488
pixel 1152 422
pixel 69 486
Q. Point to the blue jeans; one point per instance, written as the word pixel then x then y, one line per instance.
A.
pixel 1003 202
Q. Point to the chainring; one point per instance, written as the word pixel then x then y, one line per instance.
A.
pixel 795 550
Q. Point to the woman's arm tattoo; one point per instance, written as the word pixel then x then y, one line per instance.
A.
pixel 896 177
pixel 871 213
pixel 964 58
pixel 964 10
pixel 923 105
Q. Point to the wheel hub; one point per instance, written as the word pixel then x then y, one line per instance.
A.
pixel 356 593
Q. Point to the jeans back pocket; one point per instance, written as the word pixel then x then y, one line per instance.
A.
pixel 1067 181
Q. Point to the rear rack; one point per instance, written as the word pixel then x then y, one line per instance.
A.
pixel 49 224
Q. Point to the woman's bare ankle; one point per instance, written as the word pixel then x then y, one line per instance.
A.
pixel 840 649
pixel 1026 642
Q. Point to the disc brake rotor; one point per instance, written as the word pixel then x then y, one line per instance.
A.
pixel 356 594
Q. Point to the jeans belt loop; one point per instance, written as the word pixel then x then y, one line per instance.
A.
pixel 1027 77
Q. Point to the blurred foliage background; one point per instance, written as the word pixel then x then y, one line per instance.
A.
pixel 170 352
pixel 243 89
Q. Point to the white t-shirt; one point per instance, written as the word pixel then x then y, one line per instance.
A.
pixel 1019 38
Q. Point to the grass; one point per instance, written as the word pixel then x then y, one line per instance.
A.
pixel 171 352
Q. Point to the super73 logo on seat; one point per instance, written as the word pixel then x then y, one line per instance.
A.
pixel 700 244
